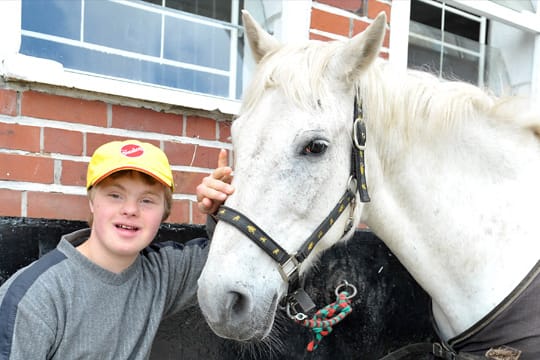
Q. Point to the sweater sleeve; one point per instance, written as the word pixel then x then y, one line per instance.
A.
pixel 24 332
pixel 211 222
pixel 32 337
pixel 180 266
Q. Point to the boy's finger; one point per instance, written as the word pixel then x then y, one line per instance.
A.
pixel 222 158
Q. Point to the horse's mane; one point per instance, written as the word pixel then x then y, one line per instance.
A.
pixel 303 73
pixel 447 104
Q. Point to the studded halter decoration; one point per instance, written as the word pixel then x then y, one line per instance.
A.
pixel 290 263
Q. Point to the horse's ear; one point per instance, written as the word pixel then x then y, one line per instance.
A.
pixel 260 42
pixel 362 50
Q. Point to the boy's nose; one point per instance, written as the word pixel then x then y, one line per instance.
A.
pixel 130 208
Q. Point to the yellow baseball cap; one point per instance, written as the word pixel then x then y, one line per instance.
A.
pixel 129 155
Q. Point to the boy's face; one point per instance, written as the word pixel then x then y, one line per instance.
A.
pixel 127 212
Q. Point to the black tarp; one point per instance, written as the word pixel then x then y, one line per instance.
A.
pixel 389 311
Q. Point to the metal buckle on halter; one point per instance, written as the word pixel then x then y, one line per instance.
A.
pixel 299 298
pixel 289 267
pixel 359 134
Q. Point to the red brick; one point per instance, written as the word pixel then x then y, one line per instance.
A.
pixel 73 173
pixel 26 168
pixel 132 118
pixel 179 212
pixel 349 5
pixel 11 203
pixel 62 141
pixel 359 26
pixel 179 154
pixel 93 141
pixel 186 182
pixel 57 206
pixel 8 102
pixel 332 23
pixel 225 131
pixel 386 41
pixel 19 137
pixel 199 127
pixel 375 7
pixel 313 36
pixel 197 216
pixel 206 157
pixel 63 108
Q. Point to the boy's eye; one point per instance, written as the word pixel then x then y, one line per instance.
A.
pixel 114 195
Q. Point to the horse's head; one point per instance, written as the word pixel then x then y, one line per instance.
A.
pixel 292 146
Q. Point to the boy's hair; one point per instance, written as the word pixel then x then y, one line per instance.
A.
pixel 147 179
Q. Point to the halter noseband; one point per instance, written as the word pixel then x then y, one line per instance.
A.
pixel 290 263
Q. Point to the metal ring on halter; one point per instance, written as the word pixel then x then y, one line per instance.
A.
pixel 298 316
pixel 345 284
pixel 352 184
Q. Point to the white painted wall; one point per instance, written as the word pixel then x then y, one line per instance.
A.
pixel 517 50
pixel 10 28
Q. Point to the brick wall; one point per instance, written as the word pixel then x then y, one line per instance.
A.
pixel 332 19
pixel 47 136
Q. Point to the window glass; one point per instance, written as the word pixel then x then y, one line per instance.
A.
pixel 189 45
pixel 445 42
pixel 197 43
pixel 122 27
pixel 54 17
pixel 215 9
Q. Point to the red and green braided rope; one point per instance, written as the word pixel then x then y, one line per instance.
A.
pixel 324 319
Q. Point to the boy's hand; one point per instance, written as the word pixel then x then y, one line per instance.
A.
pixel 214 189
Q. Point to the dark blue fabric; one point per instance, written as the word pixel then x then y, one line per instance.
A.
pixel 154 247
pixel 14 294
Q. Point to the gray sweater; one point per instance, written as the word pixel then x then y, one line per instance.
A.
pixel 63 306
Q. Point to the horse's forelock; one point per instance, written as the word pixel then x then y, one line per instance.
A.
pixel 300 71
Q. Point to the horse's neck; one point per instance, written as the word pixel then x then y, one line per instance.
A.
pixel 458 211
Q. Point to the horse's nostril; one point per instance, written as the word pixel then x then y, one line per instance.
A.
pixel 237 304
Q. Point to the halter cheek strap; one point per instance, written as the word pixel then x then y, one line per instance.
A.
pixel 358 165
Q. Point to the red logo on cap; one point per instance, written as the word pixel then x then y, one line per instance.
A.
pixel 132 150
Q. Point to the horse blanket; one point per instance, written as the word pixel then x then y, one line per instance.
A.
pixel 511 331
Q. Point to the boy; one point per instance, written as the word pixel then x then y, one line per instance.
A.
pixel 103 291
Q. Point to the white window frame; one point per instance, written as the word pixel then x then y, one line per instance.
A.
pixel 526 21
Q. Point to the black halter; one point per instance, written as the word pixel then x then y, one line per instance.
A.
pixel 290 263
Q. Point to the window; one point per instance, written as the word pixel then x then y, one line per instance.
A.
pixel 490 51
pixel 185 44
pixel 446 41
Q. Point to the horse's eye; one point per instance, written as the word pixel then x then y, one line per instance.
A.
pixel 315 147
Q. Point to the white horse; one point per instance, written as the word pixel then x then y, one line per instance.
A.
pixel 453 175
